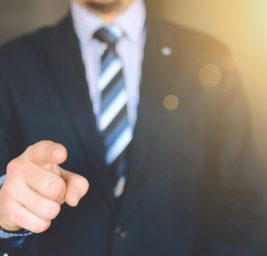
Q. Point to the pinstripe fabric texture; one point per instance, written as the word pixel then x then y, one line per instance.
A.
pixel 114 121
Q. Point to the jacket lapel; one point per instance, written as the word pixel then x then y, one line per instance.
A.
pixel 66 61
pixel 157 81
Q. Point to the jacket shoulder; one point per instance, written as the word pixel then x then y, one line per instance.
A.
pixel 190 37
pixel 29 45
pixel 208 63
pixel 23 46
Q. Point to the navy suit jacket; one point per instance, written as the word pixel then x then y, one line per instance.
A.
pixel 192 180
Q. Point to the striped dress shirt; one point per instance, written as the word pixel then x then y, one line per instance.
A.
pixel 130 49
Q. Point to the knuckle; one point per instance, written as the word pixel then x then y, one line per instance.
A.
pixel 78 184
pixel 53 211
pixel 29 148
pixel 9 212
pixel 41 226
pixel 12 167
pixel 45 142
pixel 7 191
pixel 49 210
pixel 57 188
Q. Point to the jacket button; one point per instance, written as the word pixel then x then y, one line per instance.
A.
pixel 120 233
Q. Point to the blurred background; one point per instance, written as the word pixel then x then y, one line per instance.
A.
pixel 241 24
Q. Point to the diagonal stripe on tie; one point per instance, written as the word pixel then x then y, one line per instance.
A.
pixel 110 92
pixel 106 59
pixel 113 121
pixel 114 133
pixel 110 113
pixel 122 114
pixel 109 73
pixel 119 145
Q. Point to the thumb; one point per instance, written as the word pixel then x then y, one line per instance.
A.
pixel 77 187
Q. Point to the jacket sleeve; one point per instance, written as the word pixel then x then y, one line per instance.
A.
pixel 15 243
pixel 11 243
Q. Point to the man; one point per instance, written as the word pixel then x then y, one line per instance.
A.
pixel 148 113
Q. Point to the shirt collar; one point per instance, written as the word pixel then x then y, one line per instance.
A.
pixel 131 21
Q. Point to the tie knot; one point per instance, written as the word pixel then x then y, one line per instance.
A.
pixel 107 35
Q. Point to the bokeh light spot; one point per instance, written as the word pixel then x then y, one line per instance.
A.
pixel 171 102
pixel 210 75
pixel 228 62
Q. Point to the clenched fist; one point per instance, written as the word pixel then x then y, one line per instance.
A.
pixel 35 187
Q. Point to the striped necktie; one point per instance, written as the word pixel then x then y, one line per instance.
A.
pixel 114 121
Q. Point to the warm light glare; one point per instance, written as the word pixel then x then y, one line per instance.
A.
pixel 254 17
pixel 241 25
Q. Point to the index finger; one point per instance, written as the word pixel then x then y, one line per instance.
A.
pixel 46 152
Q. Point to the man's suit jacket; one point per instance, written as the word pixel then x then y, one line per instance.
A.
pixel 192 179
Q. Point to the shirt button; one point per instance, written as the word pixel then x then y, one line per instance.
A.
pixel 120 233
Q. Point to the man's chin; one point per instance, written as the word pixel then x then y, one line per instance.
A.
pixel 104 7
